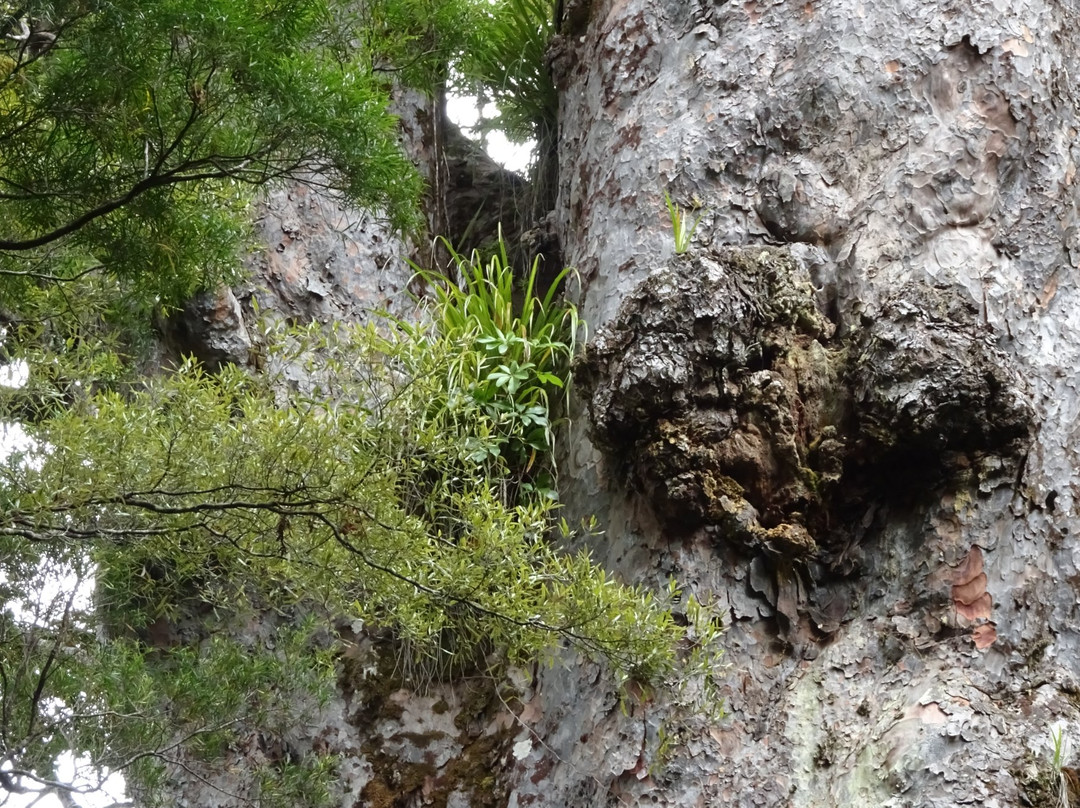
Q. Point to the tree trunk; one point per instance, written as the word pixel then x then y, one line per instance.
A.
pixel 847 414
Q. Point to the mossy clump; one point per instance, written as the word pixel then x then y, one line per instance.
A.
pixel 787 295
pixel 721 386
pixel 737 407
pixel 1039 784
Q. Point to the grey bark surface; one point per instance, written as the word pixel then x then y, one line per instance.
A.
pixel 911 165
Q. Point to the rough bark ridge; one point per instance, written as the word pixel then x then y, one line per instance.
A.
pixel 915 161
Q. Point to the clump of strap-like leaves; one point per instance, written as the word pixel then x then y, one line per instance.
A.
pixel 518 341
pixel 368 493
pixel 504 62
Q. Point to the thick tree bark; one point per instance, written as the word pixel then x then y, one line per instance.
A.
pixel 848 413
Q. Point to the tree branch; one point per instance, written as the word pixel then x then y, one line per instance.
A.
pixel 214 167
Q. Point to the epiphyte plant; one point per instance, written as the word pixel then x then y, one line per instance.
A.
pixel 683 222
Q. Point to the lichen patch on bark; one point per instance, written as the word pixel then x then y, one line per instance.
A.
pixel 446 746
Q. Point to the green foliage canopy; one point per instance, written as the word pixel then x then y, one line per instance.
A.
pixel 131 134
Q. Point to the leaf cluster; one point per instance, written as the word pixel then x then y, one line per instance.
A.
pixel 207 499
pixel 516 345
pixel 683 223
pixel 503 60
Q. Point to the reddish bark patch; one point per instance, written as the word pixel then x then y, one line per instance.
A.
pixel 969 593
pixel 984 635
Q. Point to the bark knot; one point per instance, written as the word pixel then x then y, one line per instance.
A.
pixel 733 403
